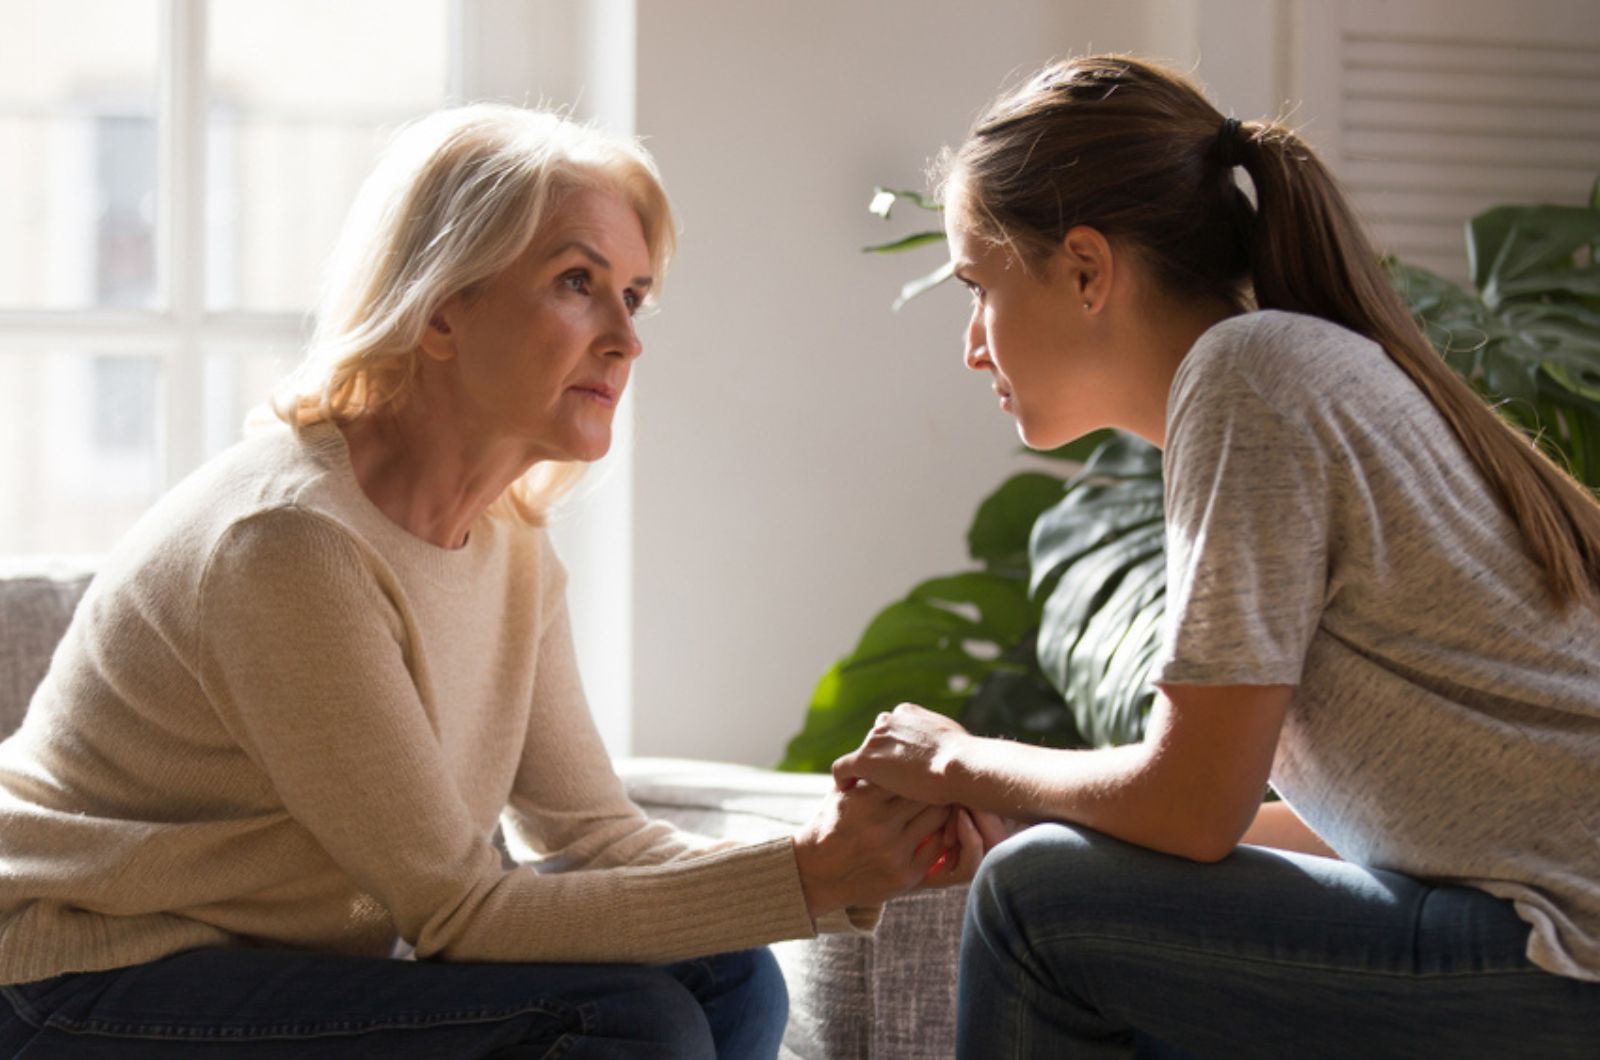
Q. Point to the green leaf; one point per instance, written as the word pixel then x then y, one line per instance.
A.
pixel 1513 250
pixel 883 200
pixel 1016 702
pixel 998 537
pixel 1004 609
pixel 911 242
pixel 925 284
pixel 936 647
pixel 1099 561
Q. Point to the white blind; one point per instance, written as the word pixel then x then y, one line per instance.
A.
pixel 1436 128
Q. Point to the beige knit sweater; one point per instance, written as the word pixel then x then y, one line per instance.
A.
pixel 278 719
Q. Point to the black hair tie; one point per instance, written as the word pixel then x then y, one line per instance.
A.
pixel 1229 148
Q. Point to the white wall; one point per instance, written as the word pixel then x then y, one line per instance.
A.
pixel 803 455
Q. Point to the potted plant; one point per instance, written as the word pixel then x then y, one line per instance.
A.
pixel 1049 640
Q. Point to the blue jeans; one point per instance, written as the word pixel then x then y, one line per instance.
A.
pixel 273 1003
pixel 1078 945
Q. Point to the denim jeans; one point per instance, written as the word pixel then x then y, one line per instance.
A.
pixel 1078 945
pixel 272 1003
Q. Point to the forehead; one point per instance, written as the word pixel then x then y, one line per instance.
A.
pixel 604 219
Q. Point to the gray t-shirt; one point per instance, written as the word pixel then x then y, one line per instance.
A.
pixel 1326 529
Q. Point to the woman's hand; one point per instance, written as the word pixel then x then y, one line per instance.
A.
pixel 865 846
pixel 910 752
pixel 968 836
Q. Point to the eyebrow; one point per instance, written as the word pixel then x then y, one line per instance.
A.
pixel 599 259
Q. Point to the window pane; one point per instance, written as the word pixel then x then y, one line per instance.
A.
pixel 303 94
pixel 238 384
pixel 78 156
pixel 80 448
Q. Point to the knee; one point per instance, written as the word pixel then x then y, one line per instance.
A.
pixel 1032 860
pixel 750 1005
pixel 766 991
pixel 657 1010
pixel 1055 870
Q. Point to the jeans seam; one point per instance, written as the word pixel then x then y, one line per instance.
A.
pixel 25 1011
pixel 293 1032
pixel 1122 940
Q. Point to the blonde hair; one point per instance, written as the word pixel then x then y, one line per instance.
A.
pixel 1136 151
pixel 457 197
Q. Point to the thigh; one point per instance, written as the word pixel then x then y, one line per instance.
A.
pixel 1269 953
pixel 744 997
pixel 269 1003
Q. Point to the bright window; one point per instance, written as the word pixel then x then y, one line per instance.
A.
pixel 172 173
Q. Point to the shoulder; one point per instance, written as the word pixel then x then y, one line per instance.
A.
pixel 1281 357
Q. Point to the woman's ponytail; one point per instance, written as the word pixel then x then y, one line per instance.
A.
pixel 1309 254
pixel 1136 151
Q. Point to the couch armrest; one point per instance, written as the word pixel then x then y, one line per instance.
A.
pixel 851 996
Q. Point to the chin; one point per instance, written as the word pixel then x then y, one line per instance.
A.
pixel 1042 440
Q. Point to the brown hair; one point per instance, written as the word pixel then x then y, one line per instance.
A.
pixel 1136 152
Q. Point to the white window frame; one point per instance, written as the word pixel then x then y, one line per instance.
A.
pixel 584 53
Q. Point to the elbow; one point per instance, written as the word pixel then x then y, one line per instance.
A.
pixel 1205 838
pixel 1208 850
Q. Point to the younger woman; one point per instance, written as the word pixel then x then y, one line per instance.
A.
pixel 1380 597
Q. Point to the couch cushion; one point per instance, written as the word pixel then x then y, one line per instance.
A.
pixel 850 996
pixel 37 598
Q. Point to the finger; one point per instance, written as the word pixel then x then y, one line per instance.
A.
pixel 971 849
pixel 927 819
pixel 845 772
pixel 961 861
pixel 992 827
pixel 924 858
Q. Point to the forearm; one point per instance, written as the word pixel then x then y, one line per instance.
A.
pixel 1121 791
pixel 1277 825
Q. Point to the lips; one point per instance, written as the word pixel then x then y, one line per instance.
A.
pixel 604 393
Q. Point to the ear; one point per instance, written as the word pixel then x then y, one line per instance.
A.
pixel 1091 263
pixel 439 338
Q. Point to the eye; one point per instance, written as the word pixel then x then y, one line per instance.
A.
pixel 973 289
pixel 631 299
pixel 577 280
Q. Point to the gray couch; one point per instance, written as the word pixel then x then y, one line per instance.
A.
pixel 892 995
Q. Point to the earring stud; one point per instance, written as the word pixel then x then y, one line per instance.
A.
pixel 1086 307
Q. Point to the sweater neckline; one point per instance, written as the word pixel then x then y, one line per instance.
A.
pixel 451 568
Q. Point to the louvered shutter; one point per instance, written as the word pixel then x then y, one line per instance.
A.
pixel 1431 112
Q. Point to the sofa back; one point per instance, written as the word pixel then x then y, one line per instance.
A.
pixel 37 598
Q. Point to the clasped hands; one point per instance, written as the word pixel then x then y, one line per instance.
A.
pixel 893 822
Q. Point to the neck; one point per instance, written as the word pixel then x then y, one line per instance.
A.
pixel 1162 337
pixel 428 474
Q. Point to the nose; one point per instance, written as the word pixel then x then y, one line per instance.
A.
pixel 977 351
pixel 625 345
pixel 621 339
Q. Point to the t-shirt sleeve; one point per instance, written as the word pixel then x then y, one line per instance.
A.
pixel 1247 534
pixel 302 655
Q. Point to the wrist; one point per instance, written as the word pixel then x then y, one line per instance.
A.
pixel 959 768
pixel 813 885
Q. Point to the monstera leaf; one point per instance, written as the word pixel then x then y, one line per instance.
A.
pixel 1529 339
pixel 1052 640
pixel 1099 561
pixel 953 643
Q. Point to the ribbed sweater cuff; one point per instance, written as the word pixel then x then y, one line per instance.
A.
pixel 730 900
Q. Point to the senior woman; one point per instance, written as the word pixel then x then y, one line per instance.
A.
pixel 292 707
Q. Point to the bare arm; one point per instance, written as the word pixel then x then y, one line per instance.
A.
pixel 1277 825
pixel 1191 788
